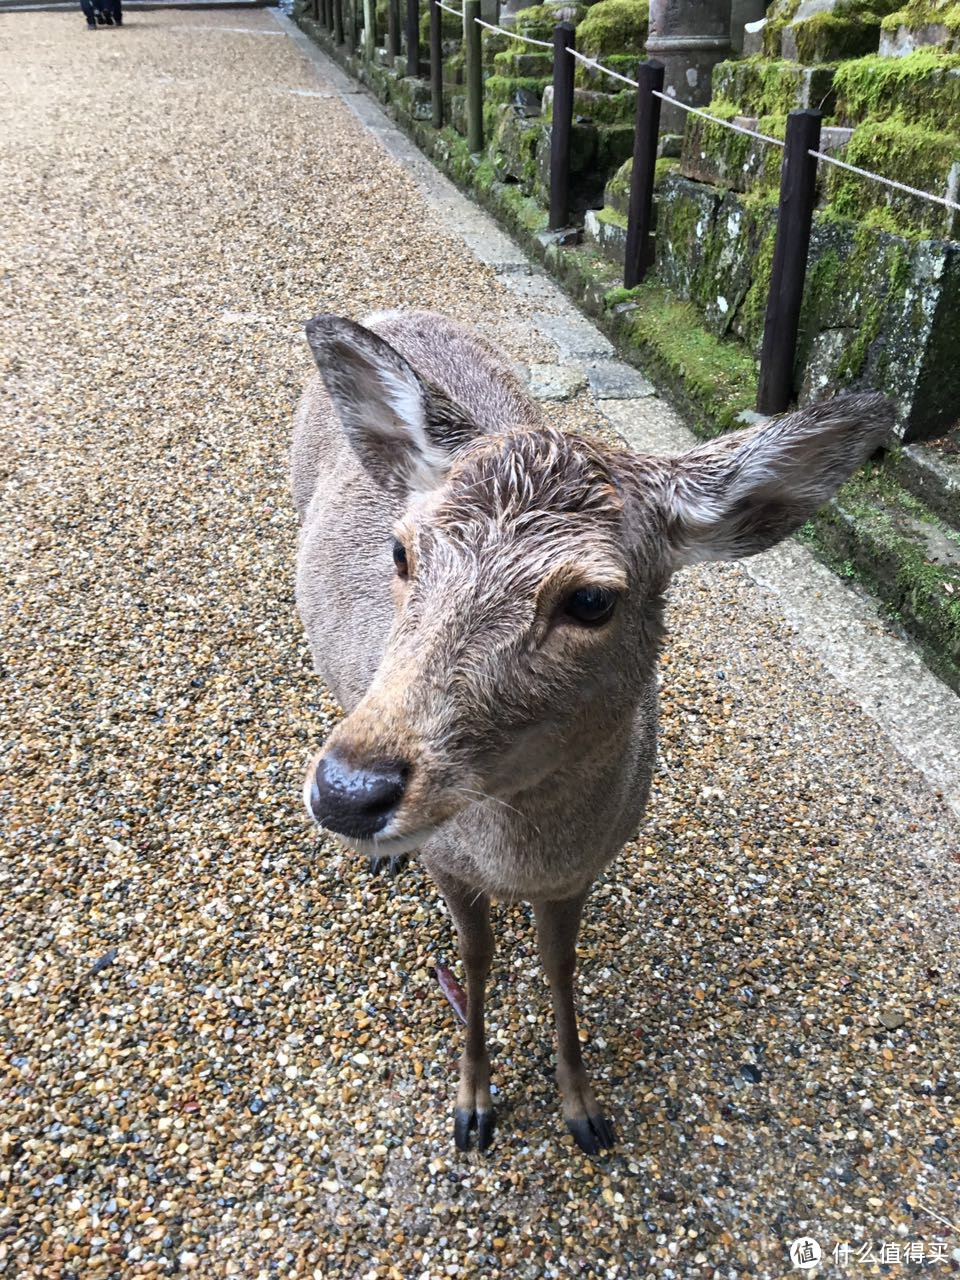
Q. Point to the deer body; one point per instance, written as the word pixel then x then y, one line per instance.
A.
pixel 484 597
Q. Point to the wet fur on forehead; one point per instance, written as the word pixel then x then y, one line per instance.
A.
pixel 526 478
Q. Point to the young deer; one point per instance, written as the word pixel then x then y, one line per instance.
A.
pixel 484 596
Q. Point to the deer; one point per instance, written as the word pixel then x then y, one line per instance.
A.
pixel 484 595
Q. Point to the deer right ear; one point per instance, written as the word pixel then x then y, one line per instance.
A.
pixel 402 428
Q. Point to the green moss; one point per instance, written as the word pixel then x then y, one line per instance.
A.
pixel 502 88
pixel 518 60
pixel 923 12
pixel 878 527
pixel 614 27
pixel 601 107
pixel 754 310
pixel 451 28
pixel 729 159
pixel 611 216
pixel 916 155
pixel 922 87
pixel 716 376
pixel 662 169
pixel 760 86
pixel 830 37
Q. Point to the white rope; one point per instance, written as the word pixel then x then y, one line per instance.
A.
pixel 705 115
pixel 592 62
pixel 727 124
pixel 544 44
pixel 887 182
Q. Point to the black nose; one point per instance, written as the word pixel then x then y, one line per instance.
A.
pixel 356 802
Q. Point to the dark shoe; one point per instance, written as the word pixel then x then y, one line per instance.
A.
pixel 91 24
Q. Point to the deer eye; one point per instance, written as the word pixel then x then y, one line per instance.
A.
pixel 400 558
pixel 590 606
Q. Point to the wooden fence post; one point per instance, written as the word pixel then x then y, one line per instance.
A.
pixel 561 129
pixel 369 29
pixel 798 183
pixel 640 209
pixel 393 29
pixel 436 63
pixel 471 35
pixel 413 37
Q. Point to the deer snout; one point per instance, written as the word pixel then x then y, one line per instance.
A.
pixel 353 800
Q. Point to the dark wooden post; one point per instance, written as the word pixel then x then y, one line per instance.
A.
pixel 561 129
pixel 338 21
pixel 640 209
pixel 369 29
pixel 393 29
pixel 474 57
pixel 413 37
pixel 436 63
pixel 798 182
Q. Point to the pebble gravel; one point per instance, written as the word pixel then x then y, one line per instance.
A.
pixel 223 1049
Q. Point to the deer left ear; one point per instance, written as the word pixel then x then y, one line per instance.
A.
pixel 748 490
pixel 403 429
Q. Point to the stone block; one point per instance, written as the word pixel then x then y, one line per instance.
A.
pixel 606 229
pixel 555 381
pixel 724 158
pixel 920 157
pixel 761 87
pixel 922 87
pixel 753 37
pixel 597 106
pixel 880 311
pixel 829 38
pixel 513 147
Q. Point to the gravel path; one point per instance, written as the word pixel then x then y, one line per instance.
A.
pixel 223 1048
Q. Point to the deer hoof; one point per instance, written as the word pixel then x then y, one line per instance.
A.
pixel 466 1122
pixel 593 1133
pixel 394 865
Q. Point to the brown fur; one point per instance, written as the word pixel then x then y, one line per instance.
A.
pixel 530 738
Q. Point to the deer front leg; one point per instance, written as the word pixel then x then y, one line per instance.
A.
pixel 558 924
pixel 471 915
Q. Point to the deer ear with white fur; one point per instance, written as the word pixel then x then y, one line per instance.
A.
pixel 746 491
pixel 402 428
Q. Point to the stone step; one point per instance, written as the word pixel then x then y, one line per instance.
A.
pixel 920 88
pixel 762 87
pixel 606 230
pixel 727 159
pixel 879 532
pixel 931 472
pixel 903 33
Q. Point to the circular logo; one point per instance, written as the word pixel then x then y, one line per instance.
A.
pixel 805 1253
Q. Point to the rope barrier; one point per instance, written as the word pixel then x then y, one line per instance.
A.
pixel 727 124
pixel 543 44
pixel 887 182
pixel 705 115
